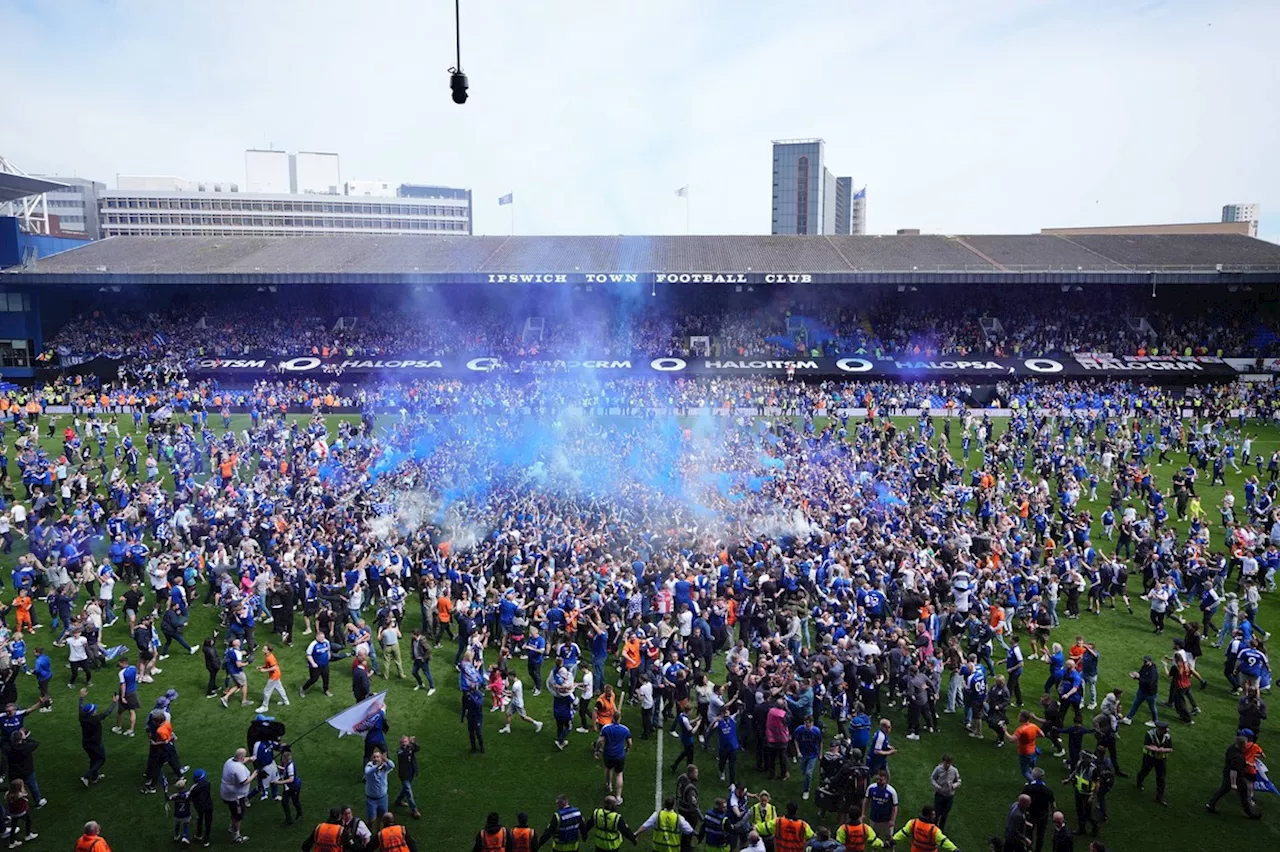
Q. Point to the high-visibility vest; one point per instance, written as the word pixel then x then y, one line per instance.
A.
pixel 494 841
pixel 855 837
pixel 92 843
pixel 522 839
pixel 924 836
pixel 666 831
pixel 716 830
pixel 391 839
pixel 762 818
pixel 607 834
pixel 568 830
pixel 791 835
pixel 328 837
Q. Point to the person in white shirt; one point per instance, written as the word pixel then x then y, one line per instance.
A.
pixel 515 705
pixel 587 687
pixel 647 705
pixel 234 790
pixel 19 514
pixel 78 647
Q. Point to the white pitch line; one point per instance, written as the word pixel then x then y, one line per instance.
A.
pixel 657 772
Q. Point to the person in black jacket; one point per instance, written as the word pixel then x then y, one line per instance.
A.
pixel 171 625
pixel 1235 775
pixel 1042 801
pixel 202 804
pixel 360 684
pixel 213 664
pixel 1063 838
pixel 22 763
pixel 91 737
pixel 1251 711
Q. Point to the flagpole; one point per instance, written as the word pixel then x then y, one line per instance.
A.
pixel 512 205
pixel 310 730
pixel 686 212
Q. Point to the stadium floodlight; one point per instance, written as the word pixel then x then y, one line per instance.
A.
pixel 458 79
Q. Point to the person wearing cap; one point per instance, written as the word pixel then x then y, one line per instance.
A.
pixel 1157 745
pixel 91 737
pixel 202 805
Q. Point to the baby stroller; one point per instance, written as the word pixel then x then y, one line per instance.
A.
pixel 830 766
pixel 264 728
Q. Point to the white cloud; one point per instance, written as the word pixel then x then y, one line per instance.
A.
pixel 975 117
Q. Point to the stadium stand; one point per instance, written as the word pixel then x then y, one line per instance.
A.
pixel 1035 252
pixel 905 253
pixel 1198 251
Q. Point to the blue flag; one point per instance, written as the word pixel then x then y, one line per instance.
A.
pixel 506 199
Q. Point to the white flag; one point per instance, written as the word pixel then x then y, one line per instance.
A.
pixel 682 192
pixel 358 719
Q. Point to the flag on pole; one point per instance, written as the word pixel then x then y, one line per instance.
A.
pixel 507 199
pixel 862 193
pixel 682 192
pixel 358 719
pixel 160 339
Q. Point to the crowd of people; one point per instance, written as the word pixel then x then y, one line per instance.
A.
pixel 774 586
pixel 1022 321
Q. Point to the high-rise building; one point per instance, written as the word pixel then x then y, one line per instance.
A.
pixel 858 212
pixel 807 197
pixel 315 173
pixel 281 173
pixel 1242 213
pixel 76 205
pixel 267 172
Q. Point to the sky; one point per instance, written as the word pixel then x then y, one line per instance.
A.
pixel 959 117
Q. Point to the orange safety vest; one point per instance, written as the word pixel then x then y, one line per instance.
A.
pixel 855 837
pixel 924 836
pixel 391 839
pixel 92 843
pixel 522 840
pixel 494 841
pixel 789 835
pixel 328 837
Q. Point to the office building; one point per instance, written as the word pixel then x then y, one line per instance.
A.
pixel 807 197
pixel 315 173
pixel 75 206
pixel 281 173
pixel 1242 213
pixel 201 214
pixel 858 212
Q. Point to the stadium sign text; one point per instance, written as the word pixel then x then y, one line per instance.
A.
pixel 752 277
pixel 481 365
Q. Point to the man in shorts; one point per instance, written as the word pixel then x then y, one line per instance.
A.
pixel 515 705
pixel 236 778
pixel 235 661
pixel 128 692
pixel 613 744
